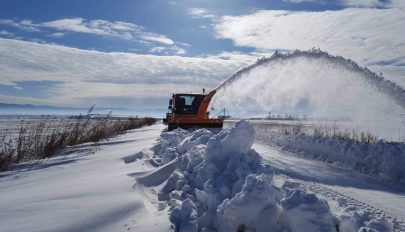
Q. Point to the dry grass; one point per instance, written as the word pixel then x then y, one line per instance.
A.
pixel 329 131
pixel 44 138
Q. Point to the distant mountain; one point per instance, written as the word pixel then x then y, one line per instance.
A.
pixel 30 106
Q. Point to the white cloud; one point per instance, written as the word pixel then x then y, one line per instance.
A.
pixel 168 50
pixel 157 49
pixel 178 50
pixel 366 3
pixel 36 40
pixel 25 25
pixel 118 29
pixel 249 58
pixel 57 34
pixel 300 1
pixel 6 33
pixel 90 77
pixel 371 37
pixel 158 38
pixel 364 35
pixel 200 13
pixel 357 3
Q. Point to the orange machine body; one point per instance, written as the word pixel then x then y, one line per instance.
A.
pixel 191 111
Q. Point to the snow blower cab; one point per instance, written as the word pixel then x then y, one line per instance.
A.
pixel 190 111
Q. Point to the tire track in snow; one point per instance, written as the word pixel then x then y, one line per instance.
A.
pixel 312 174
pixel 331 194
pixel 344 201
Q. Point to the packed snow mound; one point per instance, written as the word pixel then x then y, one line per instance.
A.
pixel 221 184
pixel 383 161
pixel 305 212
pixel 255 206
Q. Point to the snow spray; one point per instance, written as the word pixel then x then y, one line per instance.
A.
pixel 315 84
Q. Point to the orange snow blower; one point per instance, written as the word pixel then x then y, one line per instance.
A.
pixel 190 111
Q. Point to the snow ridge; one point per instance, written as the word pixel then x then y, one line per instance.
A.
pixel 220 184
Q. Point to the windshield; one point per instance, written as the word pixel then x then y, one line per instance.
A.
pixel 187 104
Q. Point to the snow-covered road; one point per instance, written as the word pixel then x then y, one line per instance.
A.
pixel 335 184
pixel 97 192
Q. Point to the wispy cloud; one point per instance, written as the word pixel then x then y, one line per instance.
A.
pixel 200 13
pixel 158 38
pixel 89 76
pixel 116 29
pixel 178 50
pixel 157 49
pixel 57 34
pixel 25 25
pixel 357 3
pixel 366 3
pixel 6 33
pixel 249 58
pixel 168 50
pixel 301 1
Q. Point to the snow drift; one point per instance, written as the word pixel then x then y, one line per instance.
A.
pixel 218 183
pixel 384 161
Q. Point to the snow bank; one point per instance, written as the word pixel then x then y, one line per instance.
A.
pixel 305 212
pixel 383 160
pixel 221 184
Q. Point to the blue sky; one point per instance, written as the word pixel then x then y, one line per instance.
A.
pixel 169 18
pixel 135 53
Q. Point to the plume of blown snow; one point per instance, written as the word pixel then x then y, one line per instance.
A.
pixel 312 83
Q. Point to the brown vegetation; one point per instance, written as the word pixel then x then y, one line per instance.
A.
pixel 44 138
pixel 328 131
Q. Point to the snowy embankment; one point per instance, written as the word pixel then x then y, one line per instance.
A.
pixel 383 161
pixel 87 190
pixel 216 182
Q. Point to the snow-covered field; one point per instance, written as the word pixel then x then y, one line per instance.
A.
pixel 83 192
pixel 12 124
pixel 191 181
